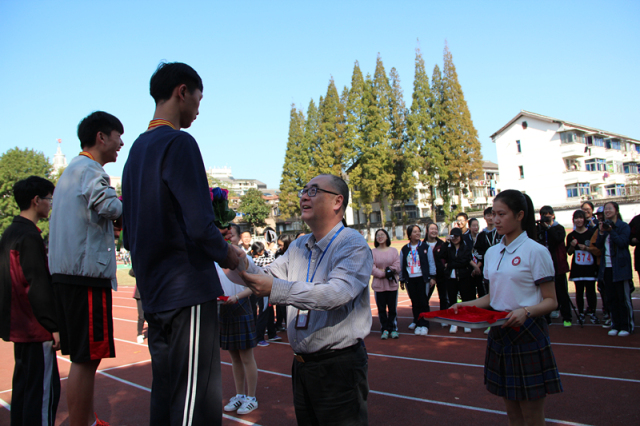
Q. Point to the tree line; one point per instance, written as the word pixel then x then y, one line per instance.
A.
pixel 383 149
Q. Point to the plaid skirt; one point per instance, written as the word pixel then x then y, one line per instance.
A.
pixel 519 365
pixel 237 326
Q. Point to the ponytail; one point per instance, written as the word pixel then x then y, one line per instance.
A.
pixel 518 202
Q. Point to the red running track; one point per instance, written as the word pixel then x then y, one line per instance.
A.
pixel 414 380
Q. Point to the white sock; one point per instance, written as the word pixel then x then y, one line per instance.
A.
pixel 251 398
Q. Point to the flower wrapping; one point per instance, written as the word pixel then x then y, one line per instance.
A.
pixel 220 203
pixel 467 313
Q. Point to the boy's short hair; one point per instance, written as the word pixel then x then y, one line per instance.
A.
pixel 25 189
pixel 98 121
pixel 168 76
pixel 463 214
pixel 546 210
pixel 488 210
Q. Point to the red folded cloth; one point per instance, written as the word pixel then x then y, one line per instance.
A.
pixel 223 298
pixel 468 314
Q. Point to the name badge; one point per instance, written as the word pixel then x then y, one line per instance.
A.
pixel 302 319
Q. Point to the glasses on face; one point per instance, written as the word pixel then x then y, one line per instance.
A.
pixel 311 192
pixel 50 199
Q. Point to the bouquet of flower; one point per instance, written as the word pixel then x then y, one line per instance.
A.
pixel 220 202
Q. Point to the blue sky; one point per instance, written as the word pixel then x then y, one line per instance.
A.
pixel 577 61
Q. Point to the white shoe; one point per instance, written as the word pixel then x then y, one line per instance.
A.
pixel 140 338
pixel 425 331
pixel 418 331
pixel 623 333
pixel 234 403
pixel 248 405
pixel 443 324
pixel 487 330
pixel 555 314
pixel 613 332
pixel 412 326
pixel 467 330
pixel 453 329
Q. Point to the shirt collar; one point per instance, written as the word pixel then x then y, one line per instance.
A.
pixel 324 242
pixel 515 244
pixel 26 221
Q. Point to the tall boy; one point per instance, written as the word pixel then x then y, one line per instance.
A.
pixel 27 315
pixel 82 259
pixel 170 231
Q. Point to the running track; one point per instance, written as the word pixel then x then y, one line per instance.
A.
pixel 414 380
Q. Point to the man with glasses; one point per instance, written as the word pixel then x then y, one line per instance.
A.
pixel 323 278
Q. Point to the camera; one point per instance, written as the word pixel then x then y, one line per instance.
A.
pixel 546 219
pixel 389 274
pixel 608 224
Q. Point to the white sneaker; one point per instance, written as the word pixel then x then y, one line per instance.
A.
pixel 467 330
pixel 453 329
pixel 443 324
pixel 412 326
pixel 555 314
pixel 249 404
pixel 487 330
pixel 418 331
pixel 235 403
pixel 623 333
pixel 140 338
pixel 613 332
pixel 425 331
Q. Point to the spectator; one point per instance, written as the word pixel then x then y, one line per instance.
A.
pixel 435 253
pixel 261 257
pixel 461 222
pixel 588 209
pixel 82 258
pixel 414 275
pixel 270 240
pixel 457 258
pixel 476 272
pixel 27 312
pixel 489 237
pixel 386 265
pixel 615 269
pixel 245 242
pixel 597 254
pixel 284 240
pixel 583 266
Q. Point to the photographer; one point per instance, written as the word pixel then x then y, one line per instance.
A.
pixel 615 269
pixel 386 265
pixel 552 235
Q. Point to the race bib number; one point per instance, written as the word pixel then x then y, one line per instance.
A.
pixel 583 257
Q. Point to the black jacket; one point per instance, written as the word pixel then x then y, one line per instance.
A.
pixel 460 260
pixel 424 262
pixel 485 240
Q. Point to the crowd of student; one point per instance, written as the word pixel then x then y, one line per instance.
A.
pixel 596 251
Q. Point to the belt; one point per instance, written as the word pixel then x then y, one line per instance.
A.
pixel 329 353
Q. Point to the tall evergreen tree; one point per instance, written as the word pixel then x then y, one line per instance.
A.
pixel 420 130
pixel 462 149
pixel 354 130
pixel 296 164
pixel 328 156
pixel 311 139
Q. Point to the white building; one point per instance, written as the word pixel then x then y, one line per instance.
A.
pixel 560 163
pixel 239 186
pixel 59 160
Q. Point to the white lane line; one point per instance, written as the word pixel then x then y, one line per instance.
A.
pixel 5 404
pixel 125 307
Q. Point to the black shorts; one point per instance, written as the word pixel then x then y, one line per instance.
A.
pixel 86 321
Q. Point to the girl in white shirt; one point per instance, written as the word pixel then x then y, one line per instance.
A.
pixel 519 365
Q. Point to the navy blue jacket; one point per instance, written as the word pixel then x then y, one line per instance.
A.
pixel 168 222
pixel 620 256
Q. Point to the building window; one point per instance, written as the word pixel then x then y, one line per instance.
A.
pixel 637 148
pixel 571 165
pixel 598 141
pixel 616 190
pixel 518 147
pixel 375 217
pixel 567 137
pixel 630 168
pixel 412 212
pixel 614 167
pixel 577 190
pixel 595 165
pixel 521 169
pixel 612 144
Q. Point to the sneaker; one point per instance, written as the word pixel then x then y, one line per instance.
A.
pixel 412 326
pixel 234 403
pixel 607 323
pixel 467 330
pixel 425 331
pixel 394 335
pixel 613 332
pixel 99 422
pixel 418 331
pixel 581 318
pixel 594 319
pixel 385 335
pixel 140 339
pixel 275 339
pixel 623 333
pixel 487 330
pixel 263 343
pixel 248 405
pixel 453 329
pixel 606 316
pixel 567 323
pixel 443 324
pixel 555 314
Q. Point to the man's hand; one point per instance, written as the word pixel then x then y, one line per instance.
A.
pixel 260 284
pixel 56 341
pixel 234 255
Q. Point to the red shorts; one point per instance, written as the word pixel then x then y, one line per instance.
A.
pixel 86 321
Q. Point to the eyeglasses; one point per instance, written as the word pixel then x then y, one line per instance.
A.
pixel 311 192
pixel 50 199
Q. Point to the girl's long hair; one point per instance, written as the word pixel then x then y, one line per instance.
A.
pixel 516 201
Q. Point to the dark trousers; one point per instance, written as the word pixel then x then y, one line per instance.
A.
pixel 332 391
pixel 264 318
pixel 478 283
pixel 36 384
pixel 592 298
pixel 562 294
pixel 466 288
pixel 184 345
pixel 417 290
pixel 441 285
pixel 387 300
pixel 140 316
pixel 281 316
pixel 619 299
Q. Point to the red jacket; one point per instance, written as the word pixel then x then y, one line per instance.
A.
pixel 27 311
